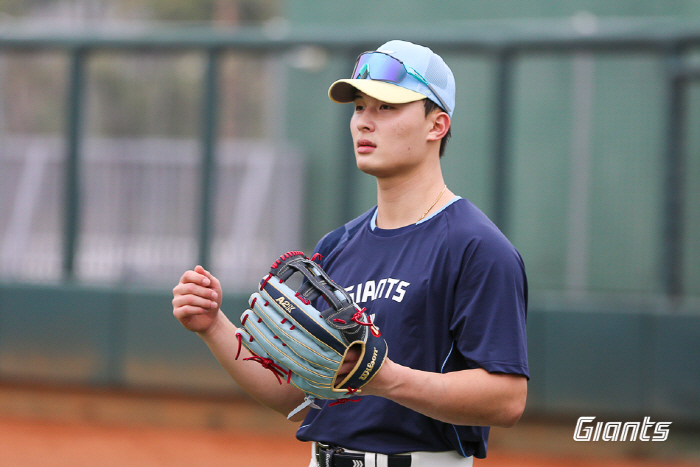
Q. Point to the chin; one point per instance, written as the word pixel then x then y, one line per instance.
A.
pixel 386 170
pixel 371 169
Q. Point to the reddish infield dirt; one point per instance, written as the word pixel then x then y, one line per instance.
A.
pixel 45 428
pixel 33 443
pixel 62 444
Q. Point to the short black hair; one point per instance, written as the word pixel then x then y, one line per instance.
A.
pixel 430 107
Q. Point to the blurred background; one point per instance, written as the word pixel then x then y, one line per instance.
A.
pixel 139 138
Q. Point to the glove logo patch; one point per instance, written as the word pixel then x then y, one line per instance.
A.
pixel 285 304
pixel 370 365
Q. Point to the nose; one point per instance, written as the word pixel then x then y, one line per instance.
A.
pixel 363 121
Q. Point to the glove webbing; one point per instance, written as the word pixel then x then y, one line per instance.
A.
pixel 318 281
pixel 343 314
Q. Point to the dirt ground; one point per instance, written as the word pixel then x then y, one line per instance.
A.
pixel 42 427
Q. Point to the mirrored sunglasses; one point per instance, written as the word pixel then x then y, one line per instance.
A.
pixel 383 67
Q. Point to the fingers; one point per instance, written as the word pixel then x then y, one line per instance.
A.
pixel 185 313
pixel 198 276
pixel 350 360
pixel 203 275
pixel 213 282
pixel 194 301
pixel 194 293
pixel 352 355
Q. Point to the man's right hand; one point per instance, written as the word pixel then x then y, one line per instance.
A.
pixel 197 300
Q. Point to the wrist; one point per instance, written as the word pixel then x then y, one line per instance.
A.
pixel 385 381
pixel 219 322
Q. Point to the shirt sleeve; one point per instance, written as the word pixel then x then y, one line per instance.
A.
pixel 490 312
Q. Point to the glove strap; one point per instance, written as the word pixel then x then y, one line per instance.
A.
pixel 309 400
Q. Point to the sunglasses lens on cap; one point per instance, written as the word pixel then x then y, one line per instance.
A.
pixel 380 67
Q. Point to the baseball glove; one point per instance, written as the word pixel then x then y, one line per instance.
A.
pixel 306 346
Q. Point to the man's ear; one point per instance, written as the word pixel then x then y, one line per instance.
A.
pixel 440 125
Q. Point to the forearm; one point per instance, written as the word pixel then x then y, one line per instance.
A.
pixel 467 397
pixel 258 382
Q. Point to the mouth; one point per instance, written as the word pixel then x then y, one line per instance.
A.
pixel 365 146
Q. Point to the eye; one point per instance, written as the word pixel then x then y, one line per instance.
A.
pixel 359 107
pixel 386 107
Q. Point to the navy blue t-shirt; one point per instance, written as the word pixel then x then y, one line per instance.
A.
pixel 448 294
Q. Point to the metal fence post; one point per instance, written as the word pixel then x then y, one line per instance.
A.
pixel 208 160
pixel 349 179
pixel 501 180
pixel 672 235
pixel 72 180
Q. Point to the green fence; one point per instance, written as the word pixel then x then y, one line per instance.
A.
pixel 508 51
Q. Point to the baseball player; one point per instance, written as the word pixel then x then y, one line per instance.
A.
pixel 447 290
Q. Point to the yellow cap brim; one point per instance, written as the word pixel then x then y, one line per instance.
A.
pixel 344 91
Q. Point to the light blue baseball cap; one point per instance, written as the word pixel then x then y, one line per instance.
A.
pixel 399 72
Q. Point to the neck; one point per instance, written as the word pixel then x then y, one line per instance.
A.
pixel 402 201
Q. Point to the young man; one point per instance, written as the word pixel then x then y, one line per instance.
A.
pixel 444 286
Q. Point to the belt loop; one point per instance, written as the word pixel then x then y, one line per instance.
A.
pixel 314 455
pixel 325 453
pixel 324 457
